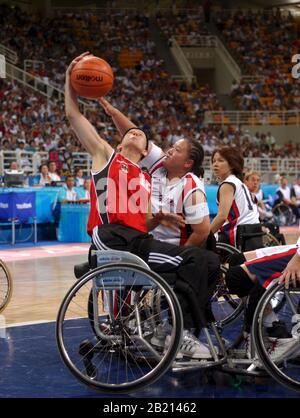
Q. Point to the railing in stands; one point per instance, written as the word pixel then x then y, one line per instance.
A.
pixel 10 55
pixel 289 117
pixel 268 167
pixel 39 85
pixel 182 61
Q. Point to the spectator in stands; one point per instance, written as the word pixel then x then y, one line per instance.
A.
pixel 53 171
pixel 14 167
pixel 44 177
pixel 68 193
pixel 79 180
pixel 84 192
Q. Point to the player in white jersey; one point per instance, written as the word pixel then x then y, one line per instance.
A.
pixel 177 189
pixel 295 193
pixel 252 181
pixel 236 208
pixel 284 196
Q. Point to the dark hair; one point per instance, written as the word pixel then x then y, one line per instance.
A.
pixel 147 140
pixel 196 153
pixel 234 159
pixel 42 165
pixel 77 169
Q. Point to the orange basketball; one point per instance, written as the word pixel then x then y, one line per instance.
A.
pixel 92 77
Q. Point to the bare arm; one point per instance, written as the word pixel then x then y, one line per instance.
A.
pixel 199 221
pixel 121 122
pixel 226 194
pixel 99 149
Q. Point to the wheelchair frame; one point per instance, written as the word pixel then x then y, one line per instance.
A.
pixel 126 330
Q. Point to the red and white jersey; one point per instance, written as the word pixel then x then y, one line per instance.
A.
pixel 120 194
pixel 174 198
pixel 242 211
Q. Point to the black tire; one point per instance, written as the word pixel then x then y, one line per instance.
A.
pixel 226 307
pixel 285 370
pixel 122 339
pixel 6 285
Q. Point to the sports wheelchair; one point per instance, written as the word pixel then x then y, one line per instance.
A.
pixel 106 321
pixel 283 215
pixel 225 306
pixel 107 318
pixel 5 285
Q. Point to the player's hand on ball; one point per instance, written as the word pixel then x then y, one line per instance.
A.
pixel 76 60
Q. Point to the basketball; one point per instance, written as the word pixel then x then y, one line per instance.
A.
pixel 92 77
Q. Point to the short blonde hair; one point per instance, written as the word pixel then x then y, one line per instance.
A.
pixel 251 173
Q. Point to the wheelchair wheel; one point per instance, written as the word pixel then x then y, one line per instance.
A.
pixel 5 285
pixel 115 354
pixel 280 357
pixel 226 307
pixel 283 215
pixel 269 240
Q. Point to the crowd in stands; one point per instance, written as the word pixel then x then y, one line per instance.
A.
pixel 263 42
pixel 29 123
pixel 187 26
pixel 165 108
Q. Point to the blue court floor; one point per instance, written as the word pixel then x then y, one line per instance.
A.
pixel 31 368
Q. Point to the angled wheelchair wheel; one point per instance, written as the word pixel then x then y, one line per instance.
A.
pixel 283 215
pixel 110 350
pixel 280 356
pixel 269 240
pixel 226 307
pixel 5 285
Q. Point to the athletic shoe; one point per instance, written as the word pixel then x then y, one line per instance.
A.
pixel 160 334
pixel 190 347
pixel 279 349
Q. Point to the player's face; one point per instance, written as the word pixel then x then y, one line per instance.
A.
pixel 136 140
pixel 253 183
pixel 177 157
pixel 220 166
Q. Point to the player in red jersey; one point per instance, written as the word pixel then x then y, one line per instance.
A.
pixel 120 194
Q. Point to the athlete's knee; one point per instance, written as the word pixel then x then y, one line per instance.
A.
pixel 238 281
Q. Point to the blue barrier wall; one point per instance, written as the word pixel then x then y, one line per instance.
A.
pixel 72 227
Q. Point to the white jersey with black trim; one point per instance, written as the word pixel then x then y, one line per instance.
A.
pixel 286 193
pixel 242 211
pixel 259 195
pixel 173 198
pixel 296 189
